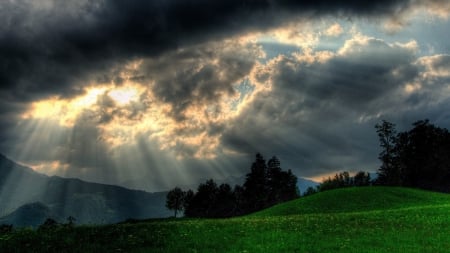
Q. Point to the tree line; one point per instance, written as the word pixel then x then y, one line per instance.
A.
pixel 265 185
pixel 417 158
pixel 341 180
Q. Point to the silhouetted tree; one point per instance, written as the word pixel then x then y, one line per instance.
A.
pixel 343 179
pixel 310 191
pixel 255 186
pixel 71 221
pixel 204 200
pixel 239 199
pixel 49 223
pixel 289 186
pixel 189 195
pixel 389 173
pixel 424 157
pixel 175 200
pixel 225 202
pixel 415 158
pixel 6 228
pixel 265 185
pixel 329 184
pixel 275 181
pixel 361 179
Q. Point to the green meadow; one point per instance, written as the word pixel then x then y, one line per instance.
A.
pixel 363 219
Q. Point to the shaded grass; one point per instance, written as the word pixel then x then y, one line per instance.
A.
pixel 424 227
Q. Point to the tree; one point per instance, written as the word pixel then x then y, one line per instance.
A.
pixel 189 195
pixel 361 179
pixel 6 228
pixel 310 191
pixel 48 224
pixel 225 202
pixel 343 179
pixel 275 182
pixel 423 155
pixel 289 189
pixel 175 200
pixel 265 185
pixel 239 200
pixel 255 186
pixel 415 158
pixel 71 221
pixel 388 173
pixel 204 201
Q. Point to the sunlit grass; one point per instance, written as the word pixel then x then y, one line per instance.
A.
pixel 424 227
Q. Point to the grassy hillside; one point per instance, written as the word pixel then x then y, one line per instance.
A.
pixel 378 219
pixel 358 199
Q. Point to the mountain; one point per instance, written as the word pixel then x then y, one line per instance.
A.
pixel 87 202
pixel 19 185
pixel 303 184
pixel 33 214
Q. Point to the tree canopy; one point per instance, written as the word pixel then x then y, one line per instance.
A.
pixel 265 185
pixel 175 200
pixel 418 158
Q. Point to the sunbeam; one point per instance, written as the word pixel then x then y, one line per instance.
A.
pixel 142 96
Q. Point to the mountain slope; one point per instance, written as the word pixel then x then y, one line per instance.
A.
pixel 13 179
pixel 87 202
pixel 357 199
pixel 33 214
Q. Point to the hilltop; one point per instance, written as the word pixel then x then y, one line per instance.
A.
pixel 357 199
pixel 370 219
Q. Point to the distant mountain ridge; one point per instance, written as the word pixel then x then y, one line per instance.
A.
pixel 33 214
pixel 21 188
pixel 303 184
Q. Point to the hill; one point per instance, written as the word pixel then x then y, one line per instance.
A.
pixel 357 199
pixel 371 219
pixel 87 202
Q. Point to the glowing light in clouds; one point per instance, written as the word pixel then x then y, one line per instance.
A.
pixel 124 95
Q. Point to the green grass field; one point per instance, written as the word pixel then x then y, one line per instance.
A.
pixel 369 219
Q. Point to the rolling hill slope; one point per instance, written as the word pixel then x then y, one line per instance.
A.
pixel 353 220
pixel 357 199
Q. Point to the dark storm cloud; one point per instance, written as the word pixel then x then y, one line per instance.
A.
pixel 53 47
pixel 321 114
pixel 198 75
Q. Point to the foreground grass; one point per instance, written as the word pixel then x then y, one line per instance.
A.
pixel 424 227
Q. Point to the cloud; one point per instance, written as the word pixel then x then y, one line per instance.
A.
pixel 54 48
pixel 334 30
pixel 176 90
pixel 441 8
pixel 430 8
pixel 320 107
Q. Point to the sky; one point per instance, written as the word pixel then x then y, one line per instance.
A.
pixel 154 94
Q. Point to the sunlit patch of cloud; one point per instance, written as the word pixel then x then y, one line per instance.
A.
pixel 179 101
pixel 423 9
pixel 439 8
pixel 431 86
pixel 412 87
pixel 301 36
pixel 334 30
pixel 435 66
pixel 49 167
